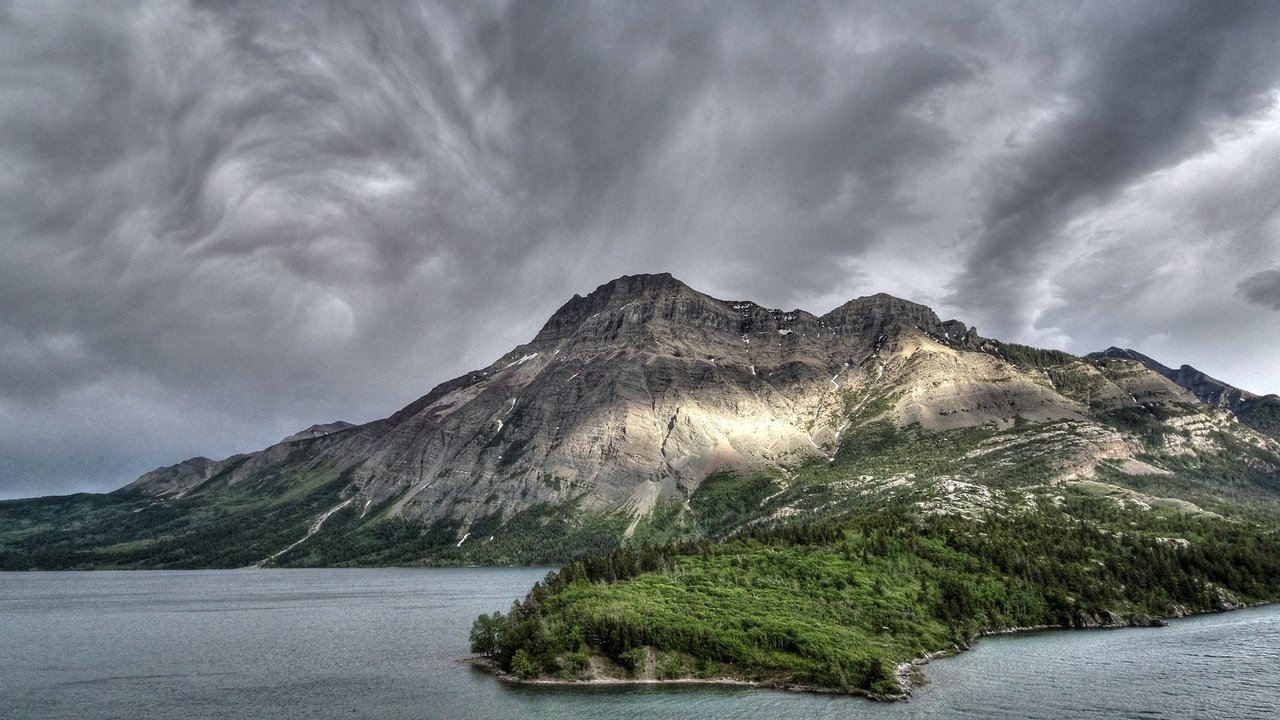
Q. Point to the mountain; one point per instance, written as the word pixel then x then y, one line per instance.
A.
pixel 648 411
pixel 1208 390
pixel 1260 412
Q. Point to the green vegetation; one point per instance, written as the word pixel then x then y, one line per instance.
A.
pixel 539 535
pixel 726 500
pixel 1262 414
pixel 1027 357
pixel 222 524
pixel 1147 423
pixel 837 604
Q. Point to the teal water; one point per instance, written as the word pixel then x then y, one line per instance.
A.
pixel 384 644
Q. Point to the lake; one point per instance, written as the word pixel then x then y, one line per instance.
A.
pixel 384 643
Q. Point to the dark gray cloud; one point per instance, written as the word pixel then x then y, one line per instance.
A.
pixel 225 221
pixel 1146 95
pixel 1262 288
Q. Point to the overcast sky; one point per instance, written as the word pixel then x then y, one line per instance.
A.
pixel 222 222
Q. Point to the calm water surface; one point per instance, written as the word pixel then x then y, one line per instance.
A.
pixel 384 644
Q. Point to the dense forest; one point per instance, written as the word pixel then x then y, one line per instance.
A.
pixel 838 605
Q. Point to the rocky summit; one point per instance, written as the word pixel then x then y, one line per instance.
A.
pixel 615 416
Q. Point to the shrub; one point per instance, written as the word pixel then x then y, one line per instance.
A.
pixel 522 665
pixel 670 666
pixel 575 664
pixel 632 660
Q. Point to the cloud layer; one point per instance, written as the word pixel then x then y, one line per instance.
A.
pixel 225 221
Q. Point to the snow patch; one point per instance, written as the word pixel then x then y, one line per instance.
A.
pixel 784 332
pixel 464 539
pixel 521 361
pixel 315 528
pixel 833 377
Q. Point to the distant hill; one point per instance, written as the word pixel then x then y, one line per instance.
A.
pixel 1208 390
pixel 1260 412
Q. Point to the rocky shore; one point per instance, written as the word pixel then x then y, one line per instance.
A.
pixel 603 671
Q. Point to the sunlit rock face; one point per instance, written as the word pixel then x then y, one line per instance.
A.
pixel 644 387
pixel 640 390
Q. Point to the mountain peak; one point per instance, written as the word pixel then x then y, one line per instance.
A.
pixel 628 287
pixel 1126 354
pixel 611 295
pixel 884 303
pixel 632 301
pixel 319 430
pixel 881 312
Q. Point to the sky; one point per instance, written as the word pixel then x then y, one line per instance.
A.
pixel 222 222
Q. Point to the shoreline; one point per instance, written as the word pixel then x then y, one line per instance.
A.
pixel 488 666
pixel 911 676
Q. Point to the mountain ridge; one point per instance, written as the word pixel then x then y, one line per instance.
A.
pixel 1260 412
pixel 623 405
pixel 1209 390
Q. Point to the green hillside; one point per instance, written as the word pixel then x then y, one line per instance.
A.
pixel 838 605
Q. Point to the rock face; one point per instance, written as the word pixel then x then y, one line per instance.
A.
pixel 644 387
pixel 1111 619
pixel 640 390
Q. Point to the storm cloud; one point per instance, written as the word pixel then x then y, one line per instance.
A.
pixel 222 222
pixel 1263 288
